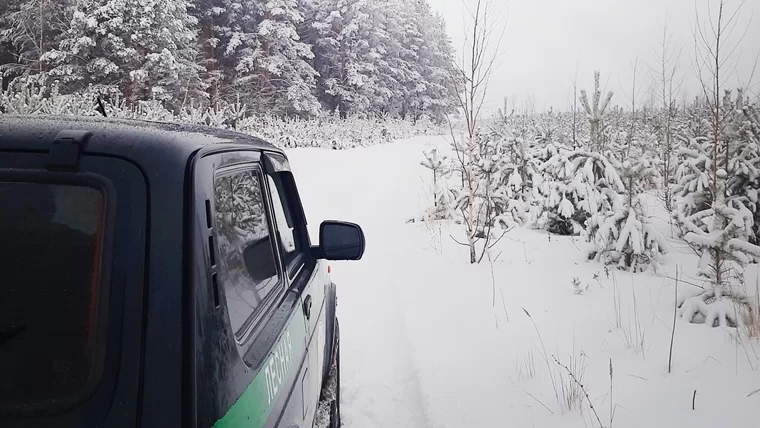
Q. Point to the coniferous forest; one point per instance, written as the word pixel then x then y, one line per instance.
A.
pixel 284 58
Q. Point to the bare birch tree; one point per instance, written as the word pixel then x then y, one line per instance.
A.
pixel 714 61
pixel 484 34
pixel 574 107
pixel 667 58
pixel 633 97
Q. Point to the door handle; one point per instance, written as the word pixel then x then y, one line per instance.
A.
pixel 307 306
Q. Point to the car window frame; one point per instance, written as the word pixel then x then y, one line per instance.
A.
pixel 269 304
pixel 106 224
pixel 277 164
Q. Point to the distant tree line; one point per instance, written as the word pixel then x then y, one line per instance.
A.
pixel 283 57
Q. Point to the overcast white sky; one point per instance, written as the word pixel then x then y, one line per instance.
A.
pixel 546 39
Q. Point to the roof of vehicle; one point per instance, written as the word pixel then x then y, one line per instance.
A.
pixel 119 136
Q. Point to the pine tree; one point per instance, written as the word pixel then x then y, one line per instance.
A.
pixel 518 171
pixel 693 175
pixel 743 184
pixel 385 58
pixel 345 55
pixel 443 202
pixel 144 50
pixel 596 111
pixel 624 235
pixel 216 19
pixel 433 94
pixel 273 68
pixel 577 185
pixel 397 41
pixel 28 29
pixel 718 219
pixel 492 203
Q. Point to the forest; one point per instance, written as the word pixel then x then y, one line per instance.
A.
pixel 282 58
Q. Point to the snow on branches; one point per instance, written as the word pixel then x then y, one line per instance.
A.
pixel 577 185
pixel 443 201
pixel 718 185
pixel 624 235
pixel 294 58
pixel 596 111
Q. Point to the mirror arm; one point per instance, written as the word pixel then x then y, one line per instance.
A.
pixel 316 252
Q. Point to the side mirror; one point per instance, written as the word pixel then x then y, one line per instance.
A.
pixel 259 259
pixel 341 241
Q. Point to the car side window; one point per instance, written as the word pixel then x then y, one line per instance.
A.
pixel 248 264
pixel 290 244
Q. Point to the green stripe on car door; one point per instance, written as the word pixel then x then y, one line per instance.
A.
pixel 253 408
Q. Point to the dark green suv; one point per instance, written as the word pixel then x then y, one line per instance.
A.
pixel 161 275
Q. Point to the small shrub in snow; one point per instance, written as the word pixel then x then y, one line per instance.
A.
pixel 578 288
pixel 570 386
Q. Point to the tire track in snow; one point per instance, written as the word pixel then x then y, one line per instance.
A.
pixel 381 383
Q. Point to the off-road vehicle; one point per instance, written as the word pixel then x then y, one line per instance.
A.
pixel 161 275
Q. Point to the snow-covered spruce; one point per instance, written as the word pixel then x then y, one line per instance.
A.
pixel 596 112
pixel 282 57
pixel 577 184
pixel 142 51
pixel 516 171
pixel 720 235
pixel 693 187
pixel 625 236
pixel 489 198
pixel 506 198
pixel 443 200
pixel 371 61
pixel 719 225
pixel 743 186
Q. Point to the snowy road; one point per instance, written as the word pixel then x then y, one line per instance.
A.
pixel 381 386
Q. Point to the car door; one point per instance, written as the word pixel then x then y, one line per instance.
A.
pixel 249 359
pixel 307 275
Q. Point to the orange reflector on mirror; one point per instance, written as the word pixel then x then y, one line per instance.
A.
pixel 329 269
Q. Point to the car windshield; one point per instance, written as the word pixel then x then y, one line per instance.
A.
pixel 561 199
pixel 49 263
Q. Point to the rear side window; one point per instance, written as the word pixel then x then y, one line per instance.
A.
pixel 50 256
pixel 247 259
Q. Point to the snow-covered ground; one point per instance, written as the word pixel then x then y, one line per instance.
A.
pixel 431 341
